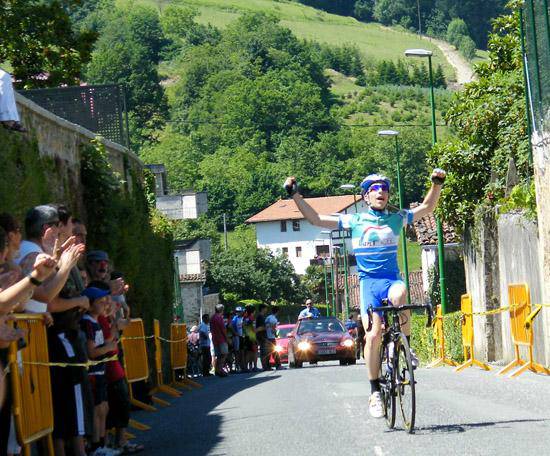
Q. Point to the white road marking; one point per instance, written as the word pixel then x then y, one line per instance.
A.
pixel 378 451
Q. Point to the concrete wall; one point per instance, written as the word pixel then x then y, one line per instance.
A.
pixel 482 282
pixel 541 159
pixel 518 263
pixel 501 250
pixel 191 297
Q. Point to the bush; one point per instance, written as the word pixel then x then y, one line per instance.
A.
pixel 423 343
pixel 467 47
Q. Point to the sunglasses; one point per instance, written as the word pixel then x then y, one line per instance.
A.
pixel 381 186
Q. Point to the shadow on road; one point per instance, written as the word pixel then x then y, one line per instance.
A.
pixel 191 425
pixel 459 428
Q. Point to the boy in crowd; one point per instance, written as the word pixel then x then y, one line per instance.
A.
pixel 98 348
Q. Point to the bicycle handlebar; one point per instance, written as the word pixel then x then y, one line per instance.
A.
pixel 397 309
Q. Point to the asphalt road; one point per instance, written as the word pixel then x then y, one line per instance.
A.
pixel 322 410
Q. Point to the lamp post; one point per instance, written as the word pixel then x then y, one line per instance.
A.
pixel 322 262
pixel 440 241
pixel 351 187
pixel 394 134
pixel 330 247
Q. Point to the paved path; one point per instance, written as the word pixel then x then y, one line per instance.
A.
pixel 322 410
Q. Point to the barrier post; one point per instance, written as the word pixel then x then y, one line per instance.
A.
pixel 135 360
pixel 31 385
pixel 158 364
pixel 468 335
pixel 439 342
pixel 521 324
pixel 178 356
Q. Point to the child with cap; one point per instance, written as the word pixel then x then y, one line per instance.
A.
pixel 98 348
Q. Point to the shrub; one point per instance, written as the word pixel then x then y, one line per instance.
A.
pixel 467 47
pixel 456 29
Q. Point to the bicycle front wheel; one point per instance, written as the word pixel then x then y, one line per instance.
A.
pixel 405 383
pixel 387 384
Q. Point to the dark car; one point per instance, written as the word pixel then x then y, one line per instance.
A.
pixel 320 339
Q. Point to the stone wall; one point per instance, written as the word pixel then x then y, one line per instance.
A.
pixel 63 141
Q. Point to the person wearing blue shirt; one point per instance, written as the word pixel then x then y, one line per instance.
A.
pixel 309 311
pixel 374 237
pixel 238 336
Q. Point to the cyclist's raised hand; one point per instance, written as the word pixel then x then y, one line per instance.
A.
pixel 290 185
pixel 438 176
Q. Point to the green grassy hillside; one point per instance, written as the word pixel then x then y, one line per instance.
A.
pixel 373 40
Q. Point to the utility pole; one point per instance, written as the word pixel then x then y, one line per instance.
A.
pixel 225 231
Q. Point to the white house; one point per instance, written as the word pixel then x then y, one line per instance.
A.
pixel 282 229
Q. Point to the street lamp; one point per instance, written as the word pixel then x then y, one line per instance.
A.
pixel 440 240
pixel 394 134
pixel 351 187
pixel 331 268
pixel 322 261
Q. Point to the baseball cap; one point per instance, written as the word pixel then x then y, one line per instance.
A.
pixel 97 255
pixel 93 293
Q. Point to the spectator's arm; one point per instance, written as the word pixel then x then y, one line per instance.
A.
pixel 95 352
pixel 58 304
pixel 122 323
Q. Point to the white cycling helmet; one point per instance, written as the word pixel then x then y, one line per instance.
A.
pixel 372 179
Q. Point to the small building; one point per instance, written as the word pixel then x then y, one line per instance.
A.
pixel 283 230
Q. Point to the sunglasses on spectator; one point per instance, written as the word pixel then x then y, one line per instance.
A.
pixel 381 186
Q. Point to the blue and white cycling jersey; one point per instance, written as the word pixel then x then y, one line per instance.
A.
pixel 374 239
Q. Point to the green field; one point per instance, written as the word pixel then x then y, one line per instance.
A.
pixel 374 41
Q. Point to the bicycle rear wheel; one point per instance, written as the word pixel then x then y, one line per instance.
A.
pixel 405 383
pixel 387 384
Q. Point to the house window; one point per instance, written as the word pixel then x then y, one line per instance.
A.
pixel 298 251
pixel 322 251
pixel 283 226
pixel 285 251
pixel 296 225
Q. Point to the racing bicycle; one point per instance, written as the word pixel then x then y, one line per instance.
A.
pixel 396 368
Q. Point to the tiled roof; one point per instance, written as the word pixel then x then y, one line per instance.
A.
pixel 192 277
pixel 426 231
pixel 287 210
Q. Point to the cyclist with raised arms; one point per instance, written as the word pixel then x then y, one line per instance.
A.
pixel 374 237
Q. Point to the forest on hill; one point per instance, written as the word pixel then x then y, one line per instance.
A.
pixel 430 17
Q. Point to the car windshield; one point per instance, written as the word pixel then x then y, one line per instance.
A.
pixel 283 332
pixel 320 326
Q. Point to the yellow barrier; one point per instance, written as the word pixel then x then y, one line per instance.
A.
pixel 521 319
pixel 31 386
pixel 136 364
pixel 178 356
pixel 468 335
pixel 439 343
pixel 158 364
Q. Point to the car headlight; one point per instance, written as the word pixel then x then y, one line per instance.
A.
pixel 304 346
pixel 278 348
pixel 348 343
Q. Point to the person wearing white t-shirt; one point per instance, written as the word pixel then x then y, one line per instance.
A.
pixel 271 323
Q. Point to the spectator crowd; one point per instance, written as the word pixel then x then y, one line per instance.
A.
pixel 82 300
pixel 234 342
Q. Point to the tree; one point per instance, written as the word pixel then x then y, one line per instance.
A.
pixel 456 29
pixel 391 12
pixel 254 274
pixel 127 53
pixel 439 78
pixel 40 44
pixel 363 10
pixel 489 117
